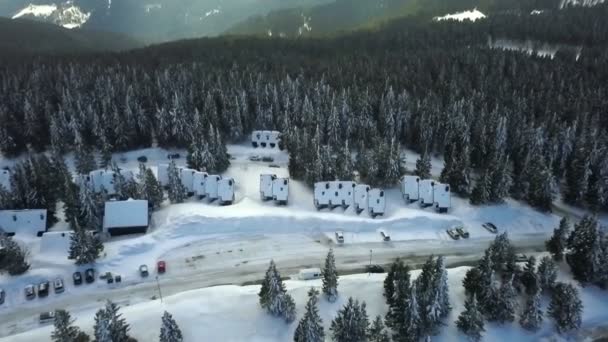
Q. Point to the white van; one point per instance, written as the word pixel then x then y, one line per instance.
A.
pixel 310 274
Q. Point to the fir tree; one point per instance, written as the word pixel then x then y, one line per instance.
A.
pixel 472 282
pixel 377 332
pixel 532 316
pixel 149 188
pixel 109 325
pixel 470 322
pixel 84 159
pixel 389 281
pixel 90 209
pixel 431 295
pixel 65 331
pixel 13 257
pixel 423 166
pixel 502 253
pixel 169 330
pixel 440 283
pixel 506 303
pixel 177 192
pixel 330 277
pixel 481 191
pixel 310 328
pixel 273 295
pixel 351 323
pixel 529 278
pixel 584 244
pixel 547 273
pixel 557 244
pixel 344 164
pixel 565 308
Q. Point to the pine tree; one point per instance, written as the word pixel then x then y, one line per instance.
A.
pixel 557 244
pixel 109 324
pixel 481 191
pixel 565 308
pixel 472 282
pixel 13 257
pixel 64 330
pixel 389 281
pixel 273 295
pixel 532 316
pixel 529 278
pixel 177 192
pixel 377 332
pixel 502 253
pixel 149 188
pixel 310 328
pixel 423 166
pixel 84 159
pixel 431 295
pixel 440 283
pixel 584 243
pixel 90 209
pixel 344 163
pixel 577 174
pixel 351 323
pixel 470 322
pixel 506 303
pixel 169 330
pixel 547 273
pixel 330 277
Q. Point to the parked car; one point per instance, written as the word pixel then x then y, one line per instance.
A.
pixel 143 270
pixel 173 156
pixel 117 278
pixel 161 267
pixel 30 292
pixel 105 276
pixel 309 274
pixel 89 275
pixel 43 288
pixel 275 166
pixel 340 237
pixel 463 232
pixel 58 285
pixel 490 227
pixel 142 159
pixel 47 317
pixel 267 159
pixel 374 269
pixel 110 279
pixel 77 277
pixel 453 233
pixel 255 158
pixel 521 257
pixel 2 296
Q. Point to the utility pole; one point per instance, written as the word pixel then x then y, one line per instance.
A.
pixel 159 292
pixel 370 257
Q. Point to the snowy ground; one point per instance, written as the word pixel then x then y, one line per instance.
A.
pixel 207 245
pixel 232 313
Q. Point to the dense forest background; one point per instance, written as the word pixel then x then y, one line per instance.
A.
pixel 506 123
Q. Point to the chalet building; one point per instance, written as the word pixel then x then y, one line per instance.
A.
pixel 126 217
pixel 23 222
pixel 274 188
pixel 211 187
pixel 265 139
pixel 426 192
pixel 225 191
pixel 198 183
pixel 410 188
pixel 187 177
pixel 361 197
pixel 441 197
pixel 376 203
pixel 103 180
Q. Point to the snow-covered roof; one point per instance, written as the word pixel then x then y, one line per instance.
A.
pixel 30 221
pixel 125 214
pixel 55 243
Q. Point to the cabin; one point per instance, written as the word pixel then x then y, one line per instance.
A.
pixel 266 183
pixel 280 190
pixel 23 222
pixel 426 192
pixel 56 243
pixel 211 187
pixel 265 139
pixel 104 180
pixel 410 188
pixel 198 183
pixel 376 203
pixel 225 191
pixel 126 217
pixel 360 200
pixel 441 197
pixel 162 174
pixel 5 179
pixel 321 195
pixel 309 274
pixel 187 177
pixel 342 194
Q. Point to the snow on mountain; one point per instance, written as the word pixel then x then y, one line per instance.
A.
pixel 471 15
pixel 36 11
pixel 66 15
pixel 587 3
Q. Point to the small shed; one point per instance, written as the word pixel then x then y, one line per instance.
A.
pixel 225 191
pixel 280 190
pixel 410 188
pixel 28 221
pixel 266 182
pixel 126 217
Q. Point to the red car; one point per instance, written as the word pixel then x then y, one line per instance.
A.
pixel 161 267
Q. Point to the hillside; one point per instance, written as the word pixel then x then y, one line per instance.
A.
pixel 28 36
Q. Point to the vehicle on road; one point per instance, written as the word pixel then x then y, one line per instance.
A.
pixel 58 285
pixel 2 296
pixel 89 275
pixel 173 156
pixel 490 227
pixel 117 278
pixel 521 257
pixel 340 237
pixel 463 232
pixel 110 279
pixel 105 276
pixel 77 277
pixel 43 288
pixel 453 233
pixel 161 267
pixel 143 271
pixel 374 269
pixel 30 292
pixel 386 237
pixel 309 274
pixel 255 158
pixel 47 317
pixel 275 166
pixel 267 159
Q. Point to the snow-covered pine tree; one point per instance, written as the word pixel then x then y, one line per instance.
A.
pixel 440 283
pixel 351 323
pixel 506 303
pixel 64 330
pixel 472 282
pixel 470 322
pixel 532 316
pixel 540 193
pixel 528 278
pixel 84 159
pixel 502 252
pixel 395 165
pixel 344 163
pixel 310 328
pixel 400 297
pixel 427 295
pixel 90 209
pixel 389 281
pixel 577 172
pixel 177 192
pixel 423 165
pixel 101 329
pixel 330 277
pixel 583 244
pixel 118 326
pixel 274 297
pixel 557 244
pixel 547 273
pixel 149 188
pixel 13 257
pixel 481 191
pixel 169 330
pixel 377 332
pixel 105 152
pixel 565 308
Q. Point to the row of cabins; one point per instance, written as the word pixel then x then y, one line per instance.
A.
pixel 201 184
pixel 103 180
pixel 266 139
pixel 274 188
pixel 427 191
pixel 347 193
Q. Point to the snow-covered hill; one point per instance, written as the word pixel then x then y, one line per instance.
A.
pixel 65 14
